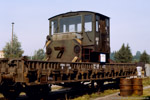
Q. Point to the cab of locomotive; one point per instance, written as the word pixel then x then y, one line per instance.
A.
pixel 78 37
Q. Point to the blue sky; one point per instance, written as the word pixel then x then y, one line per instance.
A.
pixel 129 21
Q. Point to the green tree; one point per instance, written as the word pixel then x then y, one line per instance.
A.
pixel 128 54
pixel 39 55
pixel 136 58
pixel 124 55
pixel 120 55
pixel 112 56
pixel 144 57
pixel 15 51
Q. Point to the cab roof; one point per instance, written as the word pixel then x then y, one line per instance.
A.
pixel 73 13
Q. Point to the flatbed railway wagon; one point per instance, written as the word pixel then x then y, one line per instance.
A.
pixel 77 50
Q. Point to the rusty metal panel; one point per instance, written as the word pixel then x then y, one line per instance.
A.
pixel 29 71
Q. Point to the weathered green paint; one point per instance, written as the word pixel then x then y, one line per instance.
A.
pixel 97 41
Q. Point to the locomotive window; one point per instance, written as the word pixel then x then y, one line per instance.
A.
pixel 72 28
pixel 107 22
pixel 54 26
pixel 70 24
pixel 97 23
pixel 88 23
pixel 64 28
pixel 107 25
pixel 79 27
pixel 97 26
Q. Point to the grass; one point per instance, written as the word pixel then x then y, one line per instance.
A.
pixel 107 92
pixel 146 81
pixel 95 95
pixel 146 93
pixel 85 97
pixel 145 96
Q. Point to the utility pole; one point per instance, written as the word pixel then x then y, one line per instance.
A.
pixel 12 37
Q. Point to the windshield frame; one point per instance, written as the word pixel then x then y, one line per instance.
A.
pixel 80 28
pixel 70 24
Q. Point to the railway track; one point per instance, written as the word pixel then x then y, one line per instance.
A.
pixel 68 93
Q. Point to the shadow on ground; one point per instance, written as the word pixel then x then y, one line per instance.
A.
pixel 70 93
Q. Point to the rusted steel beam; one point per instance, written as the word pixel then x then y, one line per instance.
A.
pixel 41 72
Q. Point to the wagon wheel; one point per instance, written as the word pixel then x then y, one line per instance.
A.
pixel 12 91
pixel 100 85
pixel 44 90
pixel 117 83
pixel 37 91
pixel 11 94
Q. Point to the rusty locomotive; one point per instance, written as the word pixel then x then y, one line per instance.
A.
pixel 77 50
pixel 79 36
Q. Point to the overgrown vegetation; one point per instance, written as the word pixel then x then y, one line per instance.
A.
pixel 136 57
pixel 146 81
pixel 13 48
pixel 144 57
pixel 124 55
pixel 39 55
pixel 146 93
pixel 145 96
pixel 95 95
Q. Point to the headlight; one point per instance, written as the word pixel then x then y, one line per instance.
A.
pixel 76 49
